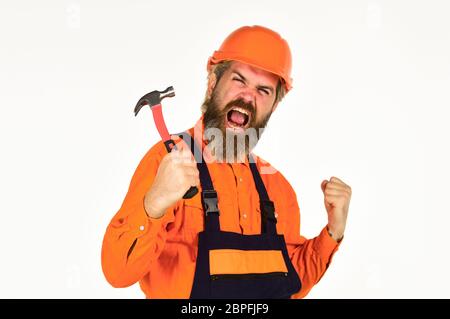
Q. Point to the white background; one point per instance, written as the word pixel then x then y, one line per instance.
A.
pixel 370 105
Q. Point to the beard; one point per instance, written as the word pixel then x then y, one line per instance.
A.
pixel 226 144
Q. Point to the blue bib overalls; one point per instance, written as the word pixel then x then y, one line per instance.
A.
pixel 275 279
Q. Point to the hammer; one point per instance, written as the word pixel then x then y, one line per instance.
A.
pixel 153 99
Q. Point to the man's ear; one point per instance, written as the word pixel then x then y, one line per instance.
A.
pixel 212 81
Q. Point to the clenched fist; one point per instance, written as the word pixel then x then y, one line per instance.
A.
pixel 337 196
pixel 176 173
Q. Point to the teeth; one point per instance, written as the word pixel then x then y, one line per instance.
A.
pixel 240 110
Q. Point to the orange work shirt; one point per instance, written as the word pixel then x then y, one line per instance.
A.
pixel 161 253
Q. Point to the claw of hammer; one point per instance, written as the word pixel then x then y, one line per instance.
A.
pixel 153 98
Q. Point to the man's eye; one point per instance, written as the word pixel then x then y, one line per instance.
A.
pixel 264 91
pixel 238 79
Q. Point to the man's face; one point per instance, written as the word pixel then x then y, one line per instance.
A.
pixel 239 105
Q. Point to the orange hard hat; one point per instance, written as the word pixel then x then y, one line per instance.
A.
pixel 259 47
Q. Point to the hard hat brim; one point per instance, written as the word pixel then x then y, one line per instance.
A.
pixel 220 56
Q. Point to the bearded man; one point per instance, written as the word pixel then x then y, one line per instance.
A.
pixel 239 237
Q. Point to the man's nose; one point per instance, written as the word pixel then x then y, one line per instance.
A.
pixel 248 96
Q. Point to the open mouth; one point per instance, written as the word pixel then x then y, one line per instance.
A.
pixel 238 118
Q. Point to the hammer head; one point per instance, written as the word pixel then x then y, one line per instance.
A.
pixel 153 98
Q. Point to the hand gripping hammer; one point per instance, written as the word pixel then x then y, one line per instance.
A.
pixel 153 99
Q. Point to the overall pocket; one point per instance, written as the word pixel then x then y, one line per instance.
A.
pixel 247 274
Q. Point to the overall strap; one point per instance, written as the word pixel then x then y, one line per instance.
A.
pixel 268 220
pixel 209 195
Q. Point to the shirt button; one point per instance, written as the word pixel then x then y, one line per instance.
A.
pixel 141 228
pixel 240 179
pixel 244 215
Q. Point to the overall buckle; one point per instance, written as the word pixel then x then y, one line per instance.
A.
pixel 210 202
pixel 268 210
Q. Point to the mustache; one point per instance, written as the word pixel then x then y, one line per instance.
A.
pixel 248 106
